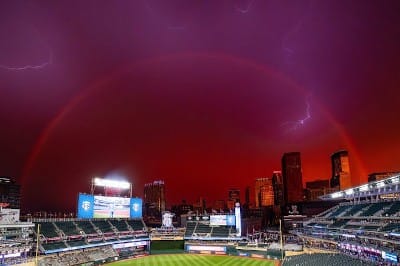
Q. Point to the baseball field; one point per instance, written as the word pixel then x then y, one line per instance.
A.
pixel 193 260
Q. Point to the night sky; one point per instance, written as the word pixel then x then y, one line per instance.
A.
pixel 206 95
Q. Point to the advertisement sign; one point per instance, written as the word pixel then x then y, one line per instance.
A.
pixel 130 244
pixel 218 220
pixel 229 220
pixel 136 208
pixel 205 248
pixel 85 206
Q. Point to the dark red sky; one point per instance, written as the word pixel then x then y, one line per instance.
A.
pixel 202 94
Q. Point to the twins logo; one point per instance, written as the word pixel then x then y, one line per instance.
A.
pixel 135 207
pixel 86 205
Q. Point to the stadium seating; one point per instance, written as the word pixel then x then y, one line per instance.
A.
pixel 103 225
pixel 74 234
pixel 53 245
pixel 352 226
pixel 47 229
pixel 92 256
pixel 76 243
pixel 393 209
pixel 322 259
pixel 373 208
pixel 69 228
pixel 391 227
pixel 136 225
pixel 220 231
pixel 384 208
pixel 120 225
pixel 338 211
pixel 203 229
pixel 371 227
pixel 190 227
pixel 338 224
pixel 355 209
pixel 86 227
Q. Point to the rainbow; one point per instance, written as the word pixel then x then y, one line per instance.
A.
pixel 265 70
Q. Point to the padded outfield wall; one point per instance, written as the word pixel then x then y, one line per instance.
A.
pixel 232 250
pixel 166 246
pixel 180 246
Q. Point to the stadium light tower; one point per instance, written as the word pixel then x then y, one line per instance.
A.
pixel 109 183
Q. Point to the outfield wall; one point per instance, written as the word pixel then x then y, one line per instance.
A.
pixel 233 250
pixel 166 246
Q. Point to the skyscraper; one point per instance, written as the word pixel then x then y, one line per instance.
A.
pixel 277 184
pixel 292 177
pixel 154 198
pixel 264 192
pixel 234 194
pixel 341 177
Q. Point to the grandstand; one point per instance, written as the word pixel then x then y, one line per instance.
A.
pixel 95 255
pixel 322 259
pixel 72 234
pixel 365 226
pixel 15 237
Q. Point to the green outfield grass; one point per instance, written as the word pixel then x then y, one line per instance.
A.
pixel 193 260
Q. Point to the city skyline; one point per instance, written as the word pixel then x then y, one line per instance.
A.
pixel 194 93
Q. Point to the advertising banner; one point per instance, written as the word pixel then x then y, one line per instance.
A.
pixel 136 208
pixel 85 206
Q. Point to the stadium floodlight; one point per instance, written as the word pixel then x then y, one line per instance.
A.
pixel 349 191
pixel 364 188
pixel 380 184
pixel 111 183
pixel 336 195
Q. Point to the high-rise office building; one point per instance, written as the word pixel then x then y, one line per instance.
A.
pixel 264 192
pixel 315 189
pixel 341 177
pixel 234 194
pixel 277 184
pixel 292 177
pixel 10 192
pixel 154 198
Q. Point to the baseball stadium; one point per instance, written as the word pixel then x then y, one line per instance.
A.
pixel 362 228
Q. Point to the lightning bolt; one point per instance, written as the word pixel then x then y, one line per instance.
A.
pixel 294 125
pixel 246 8
pixel 289 50
pixel 29 67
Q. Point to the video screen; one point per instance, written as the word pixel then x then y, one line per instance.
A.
pixel 111 207
pixel 222 220
pixel 90 206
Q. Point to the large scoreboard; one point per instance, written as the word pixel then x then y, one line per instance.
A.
pixel 222 220
pixel 91 206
